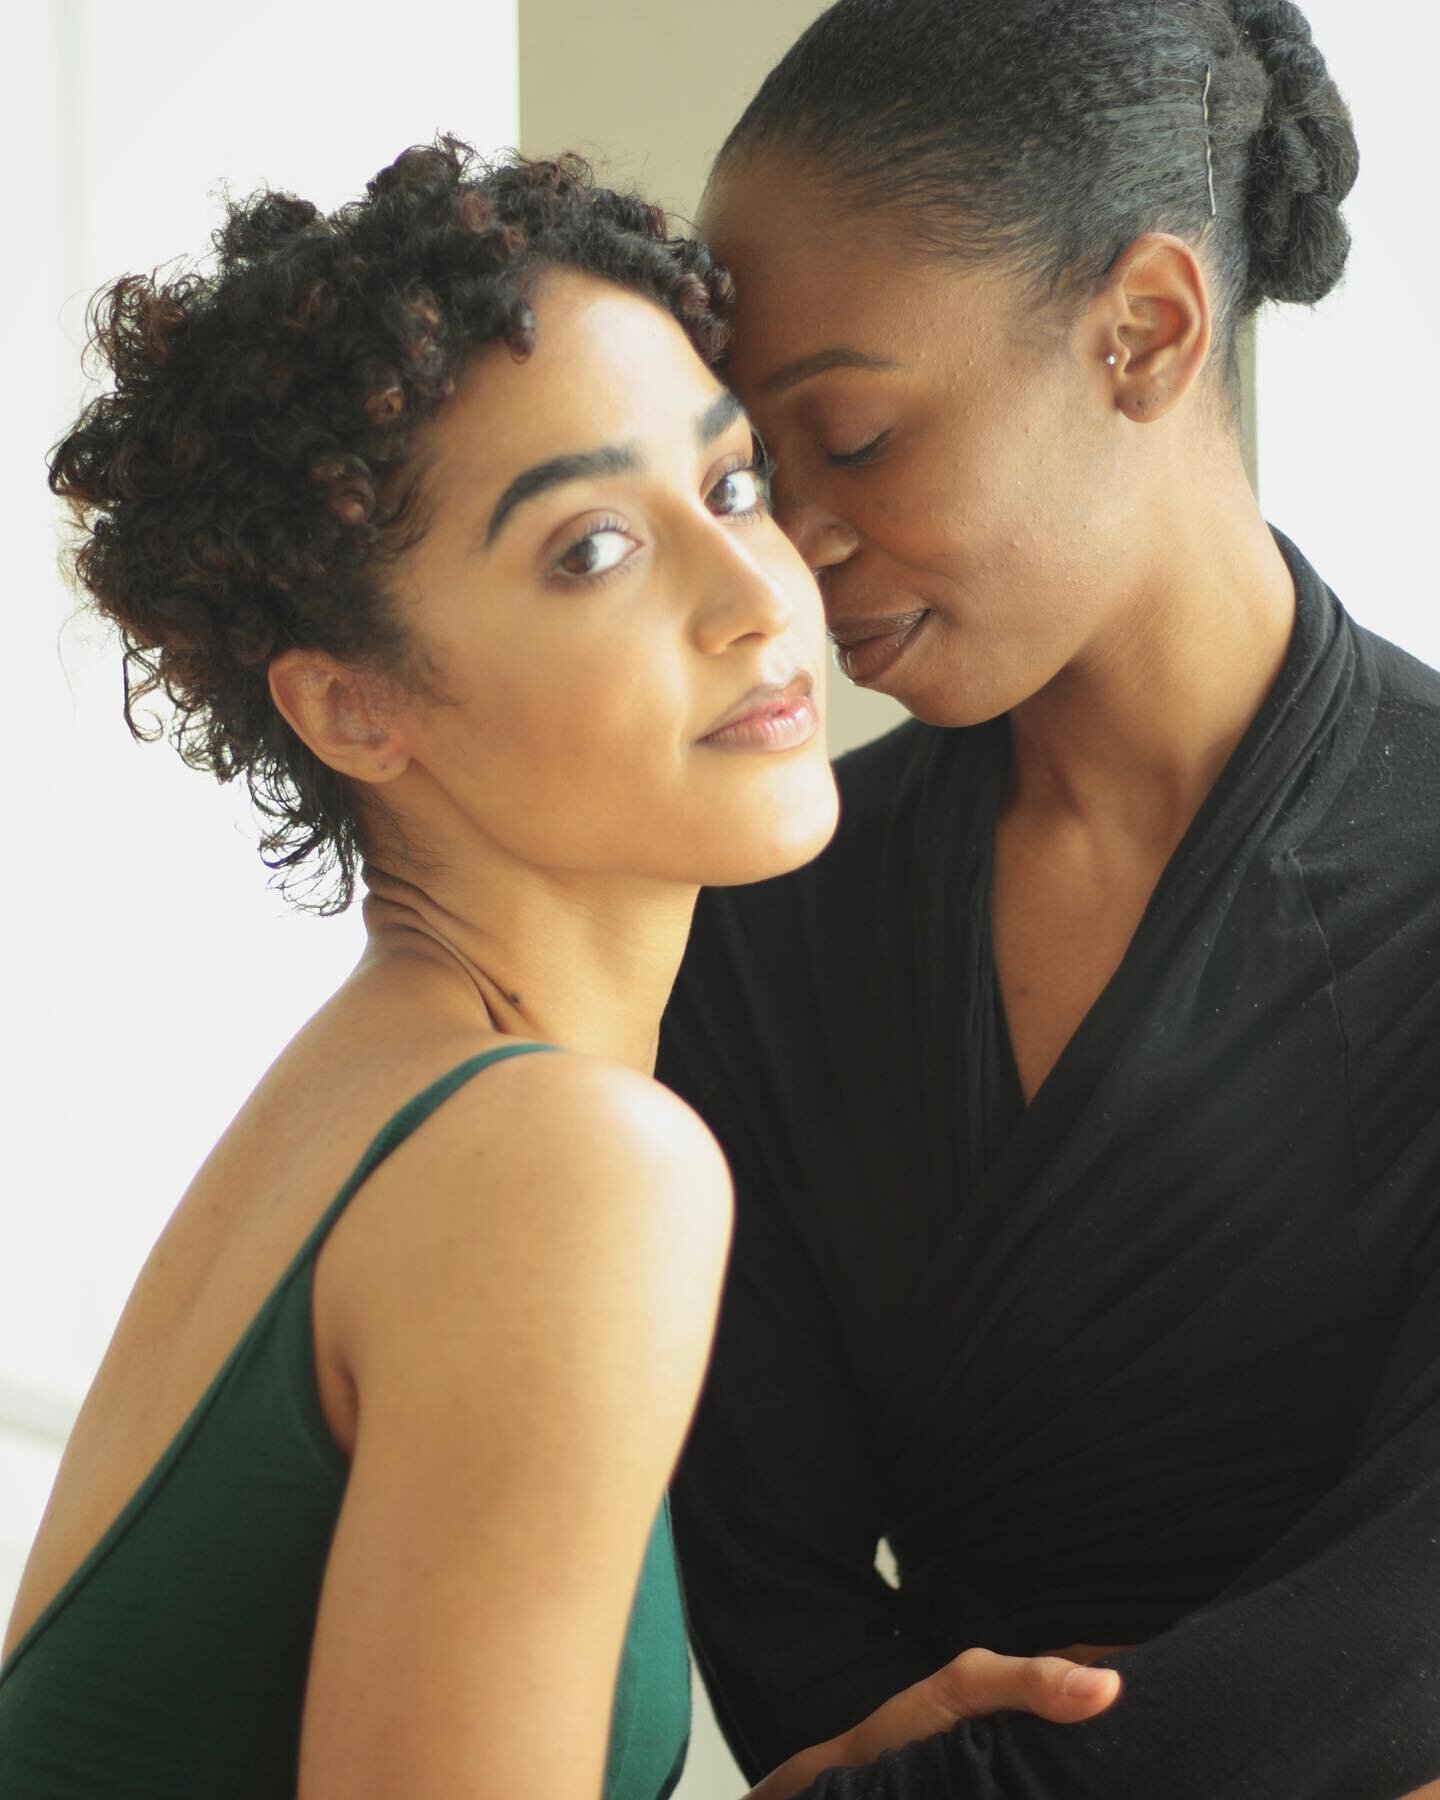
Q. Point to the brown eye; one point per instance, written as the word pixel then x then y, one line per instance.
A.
pixel 744 492
pixel 597 553
pixel 737 493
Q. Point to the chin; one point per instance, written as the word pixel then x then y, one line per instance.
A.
pixel 948 710
pixel 952 675
pixel 790 835
pixel 953 698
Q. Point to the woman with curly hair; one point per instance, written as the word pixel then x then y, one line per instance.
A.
pixel 432 524
pixel 1083 1099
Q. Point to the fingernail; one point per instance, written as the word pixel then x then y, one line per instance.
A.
pixel 1085 1684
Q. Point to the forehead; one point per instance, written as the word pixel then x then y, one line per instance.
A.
pixel 609 367
pixel 810 276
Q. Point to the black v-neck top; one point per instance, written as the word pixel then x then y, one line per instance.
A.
pixel 1153 1361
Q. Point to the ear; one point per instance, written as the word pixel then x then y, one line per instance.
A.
pixel 1154 318
pixel 339 712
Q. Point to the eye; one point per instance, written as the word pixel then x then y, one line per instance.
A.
pixel 744 492
pixel 855 459
pixel 598 553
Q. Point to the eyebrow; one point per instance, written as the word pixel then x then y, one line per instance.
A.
pixel 717 418
pixel 613 459
pixel 616 459
pixel 805 368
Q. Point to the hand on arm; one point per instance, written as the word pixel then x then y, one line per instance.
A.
pixel 778 1519
pixel 1314 1674
pixel 1319 1667
pixel 780 1523
pixel 976 1683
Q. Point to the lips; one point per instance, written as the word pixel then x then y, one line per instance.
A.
pixel 866 648
pixel 774 716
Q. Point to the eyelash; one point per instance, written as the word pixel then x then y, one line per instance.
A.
pixel 856 459
pixel 760 464
pixel 601 528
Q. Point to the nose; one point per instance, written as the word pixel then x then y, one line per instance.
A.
pixel 744 594
pixel 821 538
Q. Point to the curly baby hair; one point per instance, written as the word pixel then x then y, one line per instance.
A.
pixel 1050 135
pixel 246 479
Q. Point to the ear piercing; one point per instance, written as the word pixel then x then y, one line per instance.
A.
pixel 1112 359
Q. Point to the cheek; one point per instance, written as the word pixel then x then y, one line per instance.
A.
pixel 1021 488
pixel 929 512
pixel 789 574
pixel 569 743
pixel 573 696
pixel 556 747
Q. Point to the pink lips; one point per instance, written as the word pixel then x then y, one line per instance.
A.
pixel 768 718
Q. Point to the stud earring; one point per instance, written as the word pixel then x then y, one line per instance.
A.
pixel 1112 359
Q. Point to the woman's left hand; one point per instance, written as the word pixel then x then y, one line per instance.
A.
pixel 973 1685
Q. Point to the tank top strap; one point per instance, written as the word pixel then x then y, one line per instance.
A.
pixel 401 1125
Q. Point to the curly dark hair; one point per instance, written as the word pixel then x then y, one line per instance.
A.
pixel 1050 135
pixel 244 483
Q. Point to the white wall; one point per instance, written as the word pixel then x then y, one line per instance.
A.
pixel 1347 393
pixel 150 974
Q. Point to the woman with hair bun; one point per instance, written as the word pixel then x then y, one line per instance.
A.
pixel 1083 1098
pixel 432 523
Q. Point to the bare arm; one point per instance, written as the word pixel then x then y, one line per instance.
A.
pixel 526 1335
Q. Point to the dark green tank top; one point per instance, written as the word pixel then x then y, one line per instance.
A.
pixel 172 1663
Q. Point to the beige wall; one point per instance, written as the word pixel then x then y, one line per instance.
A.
pixel 650 86
pixel 648 90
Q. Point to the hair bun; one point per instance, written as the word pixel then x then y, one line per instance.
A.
pixel 1304 160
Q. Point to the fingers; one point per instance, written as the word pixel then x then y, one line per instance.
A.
pixel 980 1681
pixel 1087 1653
pixel 975 1684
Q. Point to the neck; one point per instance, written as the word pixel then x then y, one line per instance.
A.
pixel 1128 740
pixel 583 962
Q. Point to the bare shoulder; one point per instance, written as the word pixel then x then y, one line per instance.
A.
pixel 614 1104
pixel 551 1126
pixel 555 1200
